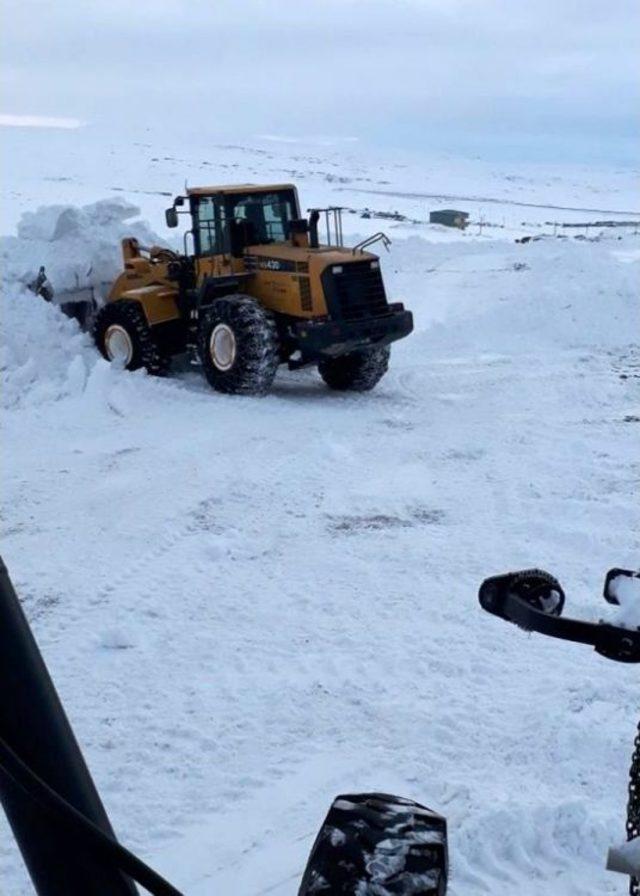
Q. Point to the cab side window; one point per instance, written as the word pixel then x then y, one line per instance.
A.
pixel 277 214
pixel 209 226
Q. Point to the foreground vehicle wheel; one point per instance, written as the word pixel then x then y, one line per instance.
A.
pixel 238 346
pixel 123 336
pixel 358 371
pixel 373 843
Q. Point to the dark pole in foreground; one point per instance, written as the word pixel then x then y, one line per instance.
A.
pixel 33 723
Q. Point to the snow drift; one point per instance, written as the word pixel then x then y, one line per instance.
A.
pixel 514 297
pixel 43 354
pixel 77 245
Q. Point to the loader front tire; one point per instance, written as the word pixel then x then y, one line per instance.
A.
pixel 356 372
pixel 123 336
pixel 238 346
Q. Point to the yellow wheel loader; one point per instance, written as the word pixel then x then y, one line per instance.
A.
pixel 253 289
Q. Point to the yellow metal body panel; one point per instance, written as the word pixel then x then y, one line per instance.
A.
pixel 145 280
pixel 283 293
pixel 159 302
pixel 285 278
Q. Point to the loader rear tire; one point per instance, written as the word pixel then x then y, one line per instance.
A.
pixel 122 335
pixel 356 372
pixel 238 346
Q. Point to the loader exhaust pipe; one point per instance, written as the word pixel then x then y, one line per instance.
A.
pixel 314 217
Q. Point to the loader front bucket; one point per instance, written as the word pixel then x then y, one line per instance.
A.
pixel 78 303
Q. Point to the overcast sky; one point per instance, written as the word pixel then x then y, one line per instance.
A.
pixel 537 79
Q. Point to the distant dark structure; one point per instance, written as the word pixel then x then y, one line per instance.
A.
pixel 450 218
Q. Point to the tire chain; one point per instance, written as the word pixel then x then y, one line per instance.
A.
pixel 633 806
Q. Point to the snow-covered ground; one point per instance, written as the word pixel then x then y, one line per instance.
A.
pixel 70 166
pixel 250 605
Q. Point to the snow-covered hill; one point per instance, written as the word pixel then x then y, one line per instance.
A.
pixel 77 166
pixel 249 605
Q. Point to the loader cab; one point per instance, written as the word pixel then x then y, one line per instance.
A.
pixel 227 220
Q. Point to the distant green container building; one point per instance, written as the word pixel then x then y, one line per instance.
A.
pixel 450 218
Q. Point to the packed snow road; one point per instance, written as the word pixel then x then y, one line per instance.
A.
pixel 249 605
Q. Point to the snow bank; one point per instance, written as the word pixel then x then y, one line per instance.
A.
pixel 43 354
pixel 510 297
pixel 77 245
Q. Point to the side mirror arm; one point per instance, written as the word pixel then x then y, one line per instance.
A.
pixel 519 598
